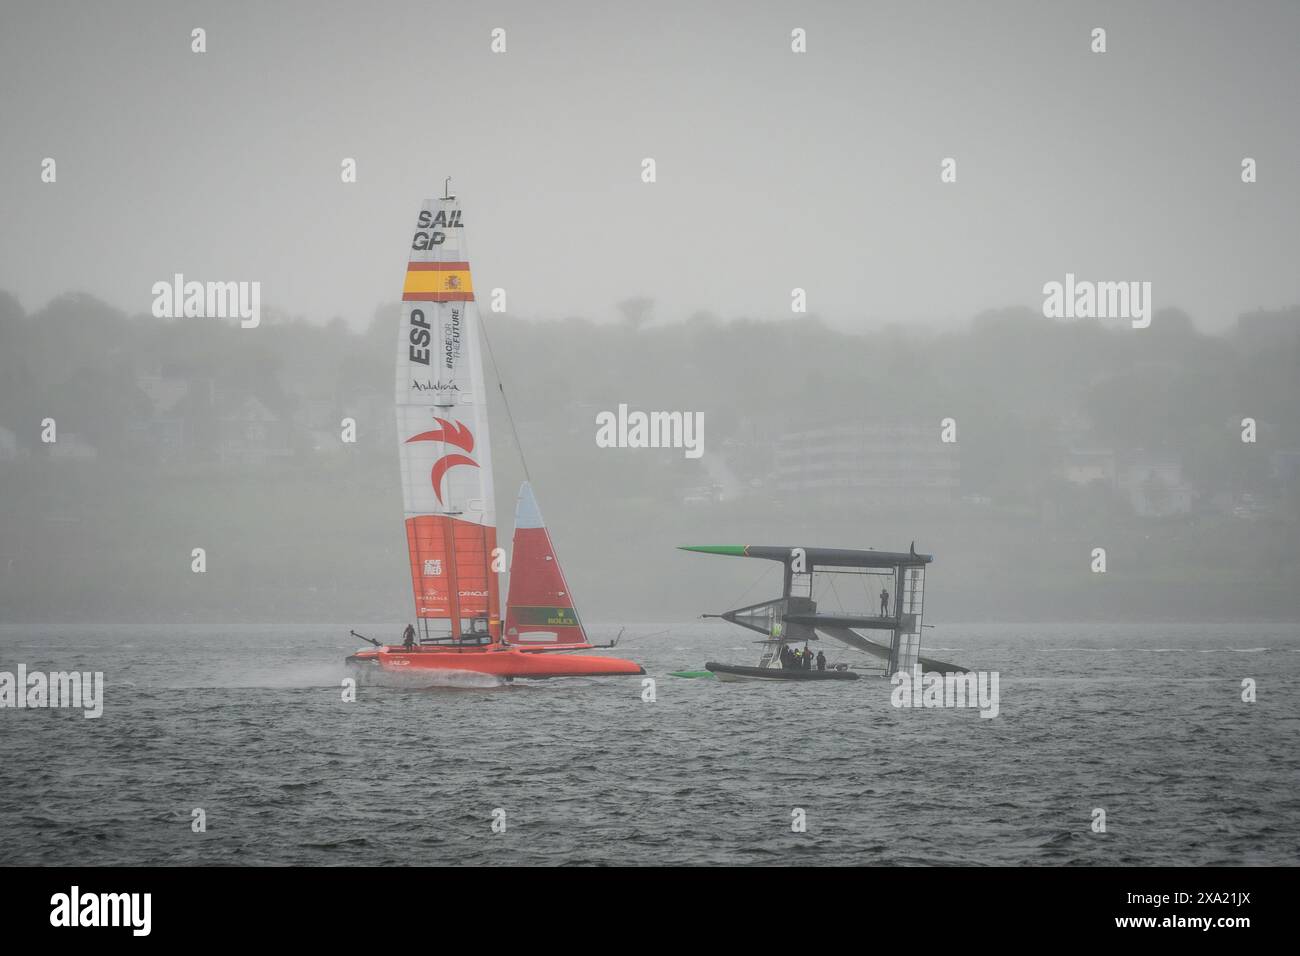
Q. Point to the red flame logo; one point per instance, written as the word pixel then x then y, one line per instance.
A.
pixel 457 434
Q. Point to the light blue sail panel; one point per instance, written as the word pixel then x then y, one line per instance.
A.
pixel 527 514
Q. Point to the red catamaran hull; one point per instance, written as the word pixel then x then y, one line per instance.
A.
pixel 493 660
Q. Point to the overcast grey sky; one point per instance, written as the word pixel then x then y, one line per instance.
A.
pixel 775 170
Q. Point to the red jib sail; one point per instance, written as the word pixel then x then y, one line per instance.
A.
pixel 540 609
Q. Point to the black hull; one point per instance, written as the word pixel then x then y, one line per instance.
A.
pixel 736 672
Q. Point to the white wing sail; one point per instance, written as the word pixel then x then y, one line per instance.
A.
pixel 442 433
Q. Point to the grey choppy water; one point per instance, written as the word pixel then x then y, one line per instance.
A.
pixel 249 724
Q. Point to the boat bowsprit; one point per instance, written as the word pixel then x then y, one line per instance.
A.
pixel 732 673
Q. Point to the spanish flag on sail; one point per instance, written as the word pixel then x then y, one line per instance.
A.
pixel 438 282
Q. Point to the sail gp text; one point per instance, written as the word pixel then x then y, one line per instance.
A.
pixel 427 236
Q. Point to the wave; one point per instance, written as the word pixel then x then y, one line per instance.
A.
pixel 429 679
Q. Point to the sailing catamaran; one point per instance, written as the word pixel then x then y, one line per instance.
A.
pixel 794 618
pixel 447 491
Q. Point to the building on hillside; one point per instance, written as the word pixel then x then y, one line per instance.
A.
pixel 251 434
pixel 1153 485
pixel 1083 466
pixel 72 447
pixel 873 463
pixel 163 430
pixel 164 392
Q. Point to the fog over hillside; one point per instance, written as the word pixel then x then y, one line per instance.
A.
pixel 828 229
pixel 177 434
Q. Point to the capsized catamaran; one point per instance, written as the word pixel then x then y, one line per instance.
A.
pixel 794 617
pixel 447 492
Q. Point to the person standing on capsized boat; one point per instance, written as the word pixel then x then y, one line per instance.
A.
pixel 408 637
pixel 884 603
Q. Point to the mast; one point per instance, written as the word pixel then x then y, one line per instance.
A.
pixel 442 433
